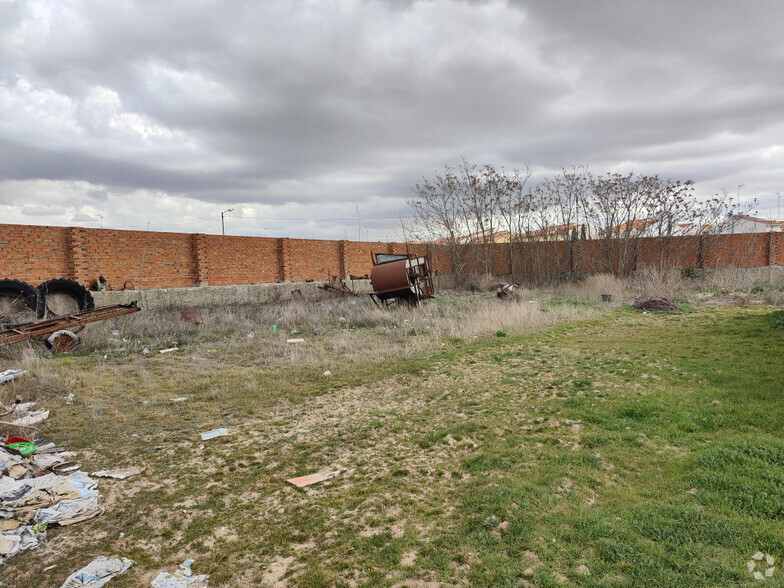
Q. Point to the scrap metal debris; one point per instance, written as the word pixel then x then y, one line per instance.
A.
pixel 403 279
pixel 303 481
pixel 60 332
pixel 337 285
pixel 182 578
pixel 98 572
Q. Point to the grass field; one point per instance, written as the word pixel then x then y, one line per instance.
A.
pixel 596 446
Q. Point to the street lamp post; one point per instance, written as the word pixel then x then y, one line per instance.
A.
pixel 223 226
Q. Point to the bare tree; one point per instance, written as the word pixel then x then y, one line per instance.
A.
pixel 437 206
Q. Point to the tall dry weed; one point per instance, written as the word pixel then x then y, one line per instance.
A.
pixel 658 283
pixel 594 286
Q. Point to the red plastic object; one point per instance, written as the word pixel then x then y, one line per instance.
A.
pixel 17 440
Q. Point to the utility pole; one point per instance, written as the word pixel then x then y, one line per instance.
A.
pixel 223 226
pixel 778 214
pixel 359 230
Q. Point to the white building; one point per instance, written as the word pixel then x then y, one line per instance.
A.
pixel 743 223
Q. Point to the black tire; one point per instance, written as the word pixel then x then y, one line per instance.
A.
pixel 71 288
pixel 23 291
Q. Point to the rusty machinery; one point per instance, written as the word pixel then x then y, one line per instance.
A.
pixel 404 279
pixel 60 332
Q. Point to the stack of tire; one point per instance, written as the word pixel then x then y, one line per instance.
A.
pixel 35 299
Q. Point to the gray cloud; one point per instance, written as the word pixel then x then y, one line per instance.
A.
pixel 308 110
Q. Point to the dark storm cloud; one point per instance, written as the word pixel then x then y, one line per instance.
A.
pixel 334 103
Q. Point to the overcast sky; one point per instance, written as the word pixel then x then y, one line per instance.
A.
pixel 302 116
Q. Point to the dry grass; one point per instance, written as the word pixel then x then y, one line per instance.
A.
pixel 352 328
pixel 657 283
pixel 592 287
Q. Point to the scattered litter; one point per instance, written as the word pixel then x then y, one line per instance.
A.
pixel 145 351
pixel 212 351
pixel 118 473
pixel 23 447
pixel 69 468
pixel 509 292
pixel 327 373
pixel 70 398
pixel 342 319
pixel 303 481
pixel 98 572
pixel 30 418
pixel 115 333
pixel 295 340
pixel 191 315
pixel 24 537
pixel 33 495
pixel 213 434
pixel 180 399
pixel 182 578
pixel 198 358
pixel 9 375
pixel 169 350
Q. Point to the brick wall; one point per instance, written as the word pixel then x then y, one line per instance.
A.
pixel 158 260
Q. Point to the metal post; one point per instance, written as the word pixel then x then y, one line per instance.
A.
pixel 223 226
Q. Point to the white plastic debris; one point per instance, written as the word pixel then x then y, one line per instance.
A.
pixel 180 399
pixel 182 578
pixel 169 350
pixel 145 351
pixel 31 418
pixel 98 572
pixel 342 319
pixel 119 473
pixel 328 373
pixel 70 398
pixel 9 375
pixel 213 434
pixel 295 340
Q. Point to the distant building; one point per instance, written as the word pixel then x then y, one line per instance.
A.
pixel 743 223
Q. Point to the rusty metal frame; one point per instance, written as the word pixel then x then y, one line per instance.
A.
pixel 70 322
pixel 337 285
pixel 419 280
